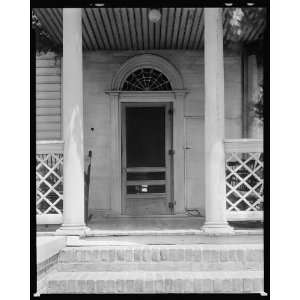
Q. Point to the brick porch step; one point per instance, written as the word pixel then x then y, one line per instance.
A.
pixel 156 282
pixel 162 257
pixel 184 268
pixel 158 266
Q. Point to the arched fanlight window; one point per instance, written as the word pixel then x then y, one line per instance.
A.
pixel 146 79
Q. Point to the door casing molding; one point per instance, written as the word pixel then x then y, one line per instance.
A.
pixel 176 96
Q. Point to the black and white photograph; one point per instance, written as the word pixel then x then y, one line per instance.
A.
pixel 151 148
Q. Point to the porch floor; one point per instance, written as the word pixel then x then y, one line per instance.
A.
pixel 151 223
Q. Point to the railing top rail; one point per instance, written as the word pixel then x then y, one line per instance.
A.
pixel 243 140
pixel 43 142
pixel 53 146
pixel 243 145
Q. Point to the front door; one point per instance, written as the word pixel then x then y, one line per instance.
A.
pixel 146 158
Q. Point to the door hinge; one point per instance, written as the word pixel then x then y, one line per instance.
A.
pixel 171 205
pixel 171 152
pixel 171 111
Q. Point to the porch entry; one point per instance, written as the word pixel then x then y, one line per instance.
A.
pixel 147 159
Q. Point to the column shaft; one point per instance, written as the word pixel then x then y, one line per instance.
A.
pixel 215 209
pixel 73 207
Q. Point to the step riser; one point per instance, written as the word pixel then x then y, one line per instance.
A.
pixel 196 285
pixel 158 255
pixel 157 266
pixel 176 239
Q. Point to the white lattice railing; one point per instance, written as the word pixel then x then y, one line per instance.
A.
pixel 49 182
pixel 244 179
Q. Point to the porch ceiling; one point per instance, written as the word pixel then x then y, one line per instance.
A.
pixel 130 29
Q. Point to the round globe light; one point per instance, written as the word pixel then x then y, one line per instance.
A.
pixel 154 15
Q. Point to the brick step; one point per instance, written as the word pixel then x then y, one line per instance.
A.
pixel 157 266
pixel 156 282
pixel 244 254
pixel 175 237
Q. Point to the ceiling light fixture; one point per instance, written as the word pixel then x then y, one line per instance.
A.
pixel 154 15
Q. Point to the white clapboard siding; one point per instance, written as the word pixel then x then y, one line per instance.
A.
pixel 49 135
pixel 48 87
pixel 49 126
pixel 47 62
pixel 47 119
pixel 48 97
pixel 47 103
pixel 48 111
pixel 48 71
pixel 48 79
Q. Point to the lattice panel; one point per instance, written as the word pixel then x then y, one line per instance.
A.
pixel 49 183
pixel 244 181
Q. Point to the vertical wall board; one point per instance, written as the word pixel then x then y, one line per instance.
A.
pixel 194 163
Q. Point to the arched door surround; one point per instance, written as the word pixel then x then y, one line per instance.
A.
pixel 121 92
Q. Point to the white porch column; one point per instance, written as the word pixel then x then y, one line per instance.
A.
pixel 215 205
pixel 73 205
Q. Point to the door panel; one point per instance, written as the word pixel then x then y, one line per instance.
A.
pixel 146 141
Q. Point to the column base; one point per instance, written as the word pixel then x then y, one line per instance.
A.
pixel 217 228
pixel 72 229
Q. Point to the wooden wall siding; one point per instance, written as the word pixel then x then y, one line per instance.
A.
pixel 48 97
pixel 130 29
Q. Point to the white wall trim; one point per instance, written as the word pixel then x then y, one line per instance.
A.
pixel 245 215
pixel 49 219
pixel 45 147
pixel 243 145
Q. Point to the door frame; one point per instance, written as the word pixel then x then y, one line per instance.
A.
pixel 168 146
pixel 116 98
